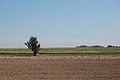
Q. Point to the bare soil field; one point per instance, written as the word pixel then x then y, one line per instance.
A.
pixel 60 67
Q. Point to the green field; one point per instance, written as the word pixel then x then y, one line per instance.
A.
pixel 61 50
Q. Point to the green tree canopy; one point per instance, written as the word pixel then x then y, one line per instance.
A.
pixel 33 45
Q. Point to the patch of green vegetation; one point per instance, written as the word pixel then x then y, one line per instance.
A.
pixel 62 50
pixel 80 50
pixel 14 49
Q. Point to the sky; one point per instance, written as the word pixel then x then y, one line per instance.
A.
pixel 59 23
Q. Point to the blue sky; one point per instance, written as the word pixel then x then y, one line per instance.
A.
pixel 59 23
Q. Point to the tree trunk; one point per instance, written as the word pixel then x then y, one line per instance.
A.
pixel 35 53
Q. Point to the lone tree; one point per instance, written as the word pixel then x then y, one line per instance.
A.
pixel 33 45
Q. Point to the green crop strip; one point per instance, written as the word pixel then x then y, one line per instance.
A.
pixel 62 50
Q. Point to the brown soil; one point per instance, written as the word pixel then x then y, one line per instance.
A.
pixel 60 67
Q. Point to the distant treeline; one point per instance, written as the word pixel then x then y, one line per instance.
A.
pixel 97 46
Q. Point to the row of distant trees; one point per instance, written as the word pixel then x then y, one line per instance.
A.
pixel 113 46
pixel 97 46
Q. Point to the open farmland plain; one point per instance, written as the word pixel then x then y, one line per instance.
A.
pixel 60 66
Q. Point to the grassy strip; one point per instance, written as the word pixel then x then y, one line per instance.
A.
pixel 80 50
pixel 15 50
pixel 62 50
pixel 87 48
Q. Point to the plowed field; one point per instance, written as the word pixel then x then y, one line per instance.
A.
pixel 60 67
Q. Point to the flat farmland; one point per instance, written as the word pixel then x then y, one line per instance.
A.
pixel 60 66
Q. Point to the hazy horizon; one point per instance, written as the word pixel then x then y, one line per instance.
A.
pixel 59 23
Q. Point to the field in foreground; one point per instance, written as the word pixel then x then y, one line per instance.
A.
pixel 60 67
